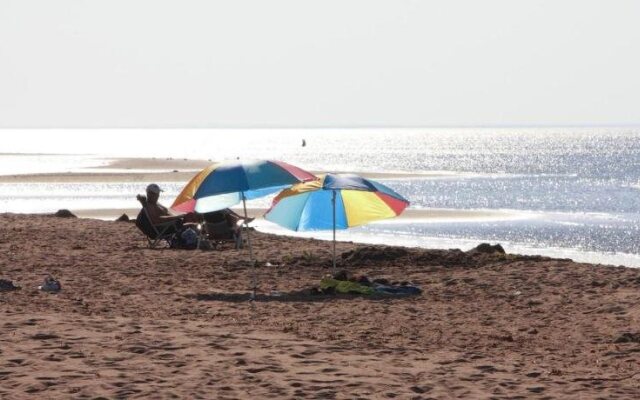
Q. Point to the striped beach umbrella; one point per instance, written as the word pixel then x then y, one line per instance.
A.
pixel 222 185
pixel 335 201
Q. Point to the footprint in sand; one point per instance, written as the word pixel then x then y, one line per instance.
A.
pixel 270 368
pixel 487 368
pixel 44 336
pixel 55 358
pixel 165 356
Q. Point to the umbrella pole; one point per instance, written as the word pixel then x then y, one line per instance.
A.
pixel 333 202
pixel 253 264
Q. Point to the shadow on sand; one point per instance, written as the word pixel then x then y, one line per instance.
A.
pixel 306 296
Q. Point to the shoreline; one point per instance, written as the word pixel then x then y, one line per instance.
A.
pixel 417 215
pixel 144 170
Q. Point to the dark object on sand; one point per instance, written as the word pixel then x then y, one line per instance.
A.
pixel 50 284
pixel 341 275
pixel 64 214
pixel 188 239
pixel 7 286
pixel 340 282
pixel 402 289
pixel 123 218
pixel 330 286
pixel 220 227
pixel 487 248
pixel 366 254
pixel 628 337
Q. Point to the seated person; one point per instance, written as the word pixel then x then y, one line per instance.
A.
pixel 161 223
pixel 159 214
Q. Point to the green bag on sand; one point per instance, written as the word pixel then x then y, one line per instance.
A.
pixel 345 286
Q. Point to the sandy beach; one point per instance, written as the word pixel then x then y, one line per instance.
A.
pixel 132 322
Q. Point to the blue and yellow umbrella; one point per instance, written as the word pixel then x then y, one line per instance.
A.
pixel 335 201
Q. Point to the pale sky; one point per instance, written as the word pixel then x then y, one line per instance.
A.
pixel 323 63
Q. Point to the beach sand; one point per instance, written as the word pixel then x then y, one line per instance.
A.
pixel 132 322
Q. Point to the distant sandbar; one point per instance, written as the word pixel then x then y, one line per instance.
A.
pixel 170 170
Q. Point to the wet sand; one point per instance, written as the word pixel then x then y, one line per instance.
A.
pixel 132 322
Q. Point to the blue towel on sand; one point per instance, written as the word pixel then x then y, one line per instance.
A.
pixel 397 290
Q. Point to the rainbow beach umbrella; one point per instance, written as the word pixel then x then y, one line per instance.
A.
pixel 335 201
pixel 223 185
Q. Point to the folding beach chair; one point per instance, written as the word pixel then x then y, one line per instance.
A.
pixel 219 233
pixel 155 234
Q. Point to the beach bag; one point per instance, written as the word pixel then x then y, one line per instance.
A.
pixel 187 239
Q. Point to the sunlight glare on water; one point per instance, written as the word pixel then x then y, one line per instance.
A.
pixel 582 185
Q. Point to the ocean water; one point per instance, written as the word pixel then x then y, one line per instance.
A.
pixel 576 192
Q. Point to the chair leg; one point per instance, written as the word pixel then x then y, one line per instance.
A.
pixel 162 235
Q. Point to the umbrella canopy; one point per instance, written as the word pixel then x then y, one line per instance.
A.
pixel 358 201
pixel 335 201
pixel 222 185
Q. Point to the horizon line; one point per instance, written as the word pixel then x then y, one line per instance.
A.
pixel 324 127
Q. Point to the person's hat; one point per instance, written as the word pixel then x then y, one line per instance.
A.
pixel 153 188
